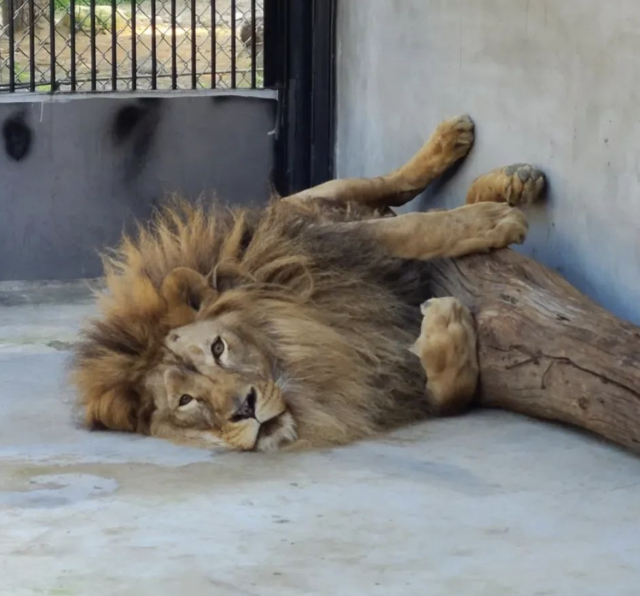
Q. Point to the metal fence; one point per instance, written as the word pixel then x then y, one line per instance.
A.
pixel 70 46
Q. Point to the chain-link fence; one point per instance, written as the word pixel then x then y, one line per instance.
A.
pixel 128 45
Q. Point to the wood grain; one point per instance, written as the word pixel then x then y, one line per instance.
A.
pixel 545 349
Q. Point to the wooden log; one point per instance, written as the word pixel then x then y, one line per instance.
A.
pixel 545 349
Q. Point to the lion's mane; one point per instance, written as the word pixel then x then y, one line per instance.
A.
pixel 336 315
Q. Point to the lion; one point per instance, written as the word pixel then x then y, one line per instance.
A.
pixel 305 323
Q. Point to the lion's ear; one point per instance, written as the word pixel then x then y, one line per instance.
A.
pixel 184 286
pixel 185 291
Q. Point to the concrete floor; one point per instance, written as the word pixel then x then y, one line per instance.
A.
pixel 488 504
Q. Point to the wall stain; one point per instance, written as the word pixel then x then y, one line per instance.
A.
pixel 17 136
pixel 133 130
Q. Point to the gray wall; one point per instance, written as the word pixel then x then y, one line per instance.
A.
pixel 74 174
pixel 552 82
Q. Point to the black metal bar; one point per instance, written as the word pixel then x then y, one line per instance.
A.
pixel 92 16
pixel 114 46
pixel 275 52
pixel 134 47
pixel 194 46
pixel 299 62
pixel 214 45
pixel 32 46
pixel 254 45
pixel 323 91
pixel 52 44
pixel 174 47
pixel 154 64
pixel 275 44
pixel 12 49
pixel 72 44
pixel 5 86
pixel 233 43
pixel 299 81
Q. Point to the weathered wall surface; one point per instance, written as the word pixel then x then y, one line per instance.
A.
pixel 74 174
pixel 551 82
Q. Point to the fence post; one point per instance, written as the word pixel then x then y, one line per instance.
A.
pixel 299 62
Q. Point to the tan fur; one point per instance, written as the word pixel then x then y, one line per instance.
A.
pixel 211 416
pixel 314 302
pixel 450 142
pixel 518 184
pixel 283 293
pixel 455 233
pixel 447 349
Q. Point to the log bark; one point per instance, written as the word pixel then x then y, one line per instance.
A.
pixel 545 349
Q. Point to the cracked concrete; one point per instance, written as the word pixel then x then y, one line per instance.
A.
pixel 487 504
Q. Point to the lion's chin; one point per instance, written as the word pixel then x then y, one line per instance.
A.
pixel 276 433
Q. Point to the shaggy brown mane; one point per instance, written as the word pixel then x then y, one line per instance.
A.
pixel 338 315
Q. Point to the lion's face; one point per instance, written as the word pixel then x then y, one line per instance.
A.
pixel 220 389
pixel 220 344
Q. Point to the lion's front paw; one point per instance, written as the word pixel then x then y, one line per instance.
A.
pixel 501 225
pixel 517 184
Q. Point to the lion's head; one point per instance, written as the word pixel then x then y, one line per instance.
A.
pixel 225 409
pixel 251 332
pixel 218 384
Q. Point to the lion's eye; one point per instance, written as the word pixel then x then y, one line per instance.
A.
pixel 217 348
pixel 184 400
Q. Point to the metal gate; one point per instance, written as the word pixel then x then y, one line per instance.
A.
pixel 106 108
pixel 97 46
pixel 75 46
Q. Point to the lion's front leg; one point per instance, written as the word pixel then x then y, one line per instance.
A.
pixel 447 348
pixel 455 233
pixel 451 141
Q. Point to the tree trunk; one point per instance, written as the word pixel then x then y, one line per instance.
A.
pixel 545 349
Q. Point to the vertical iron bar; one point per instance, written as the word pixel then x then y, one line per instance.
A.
pixel 32 46
pixel 322 91
pixel 134 48
pixel 214 45
pixel 194 71
pixel 233 44
pixel 174 47
pixel 254 64
pixel 12 49
pixel 72 33
pixel 154 66
pixel 52 44
pixel 114 47
pixel 92 16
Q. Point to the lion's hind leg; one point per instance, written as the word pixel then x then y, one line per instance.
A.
pixel 451 141
pixel 447 348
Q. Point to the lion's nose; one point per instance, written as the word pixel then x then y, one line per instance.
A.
pixel 247 408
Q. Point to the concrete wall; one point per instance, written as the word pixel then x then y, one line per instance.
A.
pixel 74 173
pixel 551 82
